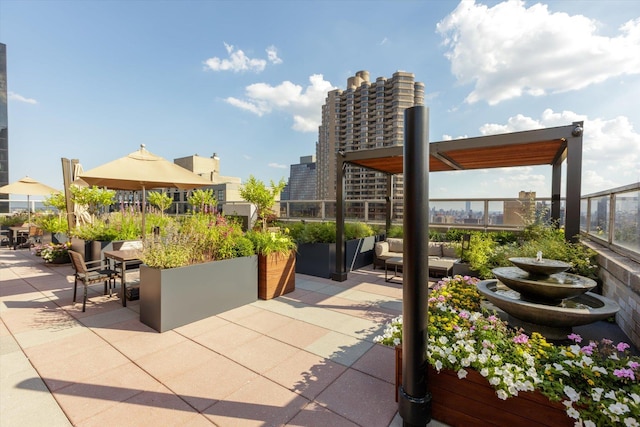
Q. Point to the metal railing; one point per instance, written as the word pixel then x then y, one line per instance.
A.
pixel 461 213
pixel 612 218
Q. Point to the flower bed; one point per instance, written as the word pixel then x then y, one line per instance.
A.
pixel 596 383
pixel 55 253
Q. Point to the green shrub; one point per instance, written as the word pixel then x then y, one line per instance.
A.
pixel 267 243
pixel 395 231
pixel 14 220
pixel 196 239
pixel 357 230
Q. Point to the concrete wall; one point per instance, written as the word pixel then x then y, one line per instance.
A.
pixel 621 282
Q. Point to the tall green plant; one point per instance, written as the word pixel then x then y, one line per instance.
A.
pixel 257 193
pixel 160 200
pixel 92 198
pixel 202 200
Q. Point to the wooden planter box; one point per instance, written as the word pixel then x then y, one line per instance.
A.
pixel 472 401
pixel 174 297
pixel 276 275
pixel 319 259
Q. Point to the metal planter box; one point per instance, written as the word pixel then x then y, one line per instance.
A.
pixel 174 297
pixel 319 259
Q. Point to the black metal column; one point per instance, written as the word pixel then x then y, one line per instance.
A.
pixel 556 177
pixel 574 183
pixel 389 201
pixel 414 400
pixel 340 275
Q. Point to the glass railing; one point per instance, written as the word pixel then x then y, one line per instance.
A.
pixel 612 218
pixel 462 213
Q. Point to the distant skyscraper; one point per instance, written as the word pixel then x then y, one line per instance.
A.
pixel 4 127
pixel 517 211
pixel 365 115
pixel 302 179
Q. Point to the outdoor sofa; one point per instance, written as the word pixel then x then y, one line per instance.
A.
pixel 442 255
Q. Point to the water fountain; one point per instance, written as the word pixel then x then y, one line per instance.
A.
pixel 538 295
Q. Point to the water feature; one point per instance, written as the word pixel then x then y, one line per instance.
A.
pixel 538 295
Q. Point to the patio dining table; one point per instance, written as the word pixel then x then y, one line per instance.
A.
pixel 123 257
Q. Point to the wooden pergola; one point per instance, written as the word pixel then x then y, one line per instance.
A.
pixel 549 146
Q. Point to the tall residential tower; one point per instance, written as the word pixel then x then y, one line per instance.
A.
pixel 4 127
pixel 365 115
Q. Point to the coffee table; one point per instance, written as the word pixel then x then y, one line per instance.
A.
pixel 394 262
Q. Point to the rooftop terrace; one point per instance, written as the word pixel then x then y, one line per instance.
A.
pixel 305 359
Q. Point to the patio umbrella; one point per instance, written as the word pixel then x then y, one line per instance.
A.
pixel 142 170
pixel 29 187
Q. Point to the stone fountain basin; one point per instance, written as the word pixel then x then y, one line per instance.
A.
pixel 592 307
pixel 553 288
pixel 546 267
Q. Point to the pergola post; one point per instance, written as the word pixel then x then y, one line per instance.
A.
pixel 574 183
pixel 556 177
pixel 414 399
pixel 340 275
pixel 389 203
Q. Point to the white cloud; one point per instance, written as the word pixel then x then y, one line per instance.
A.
pixel 509 50
pixel 20 98
pixel 238 61
pixel 304 104
pixel 272 54
pixel 610 151
pixel 277 166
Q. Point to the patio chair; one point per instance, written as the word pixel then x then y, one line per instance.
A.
pixel 35 235
pixel 90 276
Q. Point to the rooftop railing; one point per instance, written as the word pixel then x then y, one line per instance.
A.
pixel 611 217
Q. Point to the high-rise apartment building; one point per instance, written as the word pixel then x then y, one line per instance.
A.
pixel 4 127
pixel 365 115
pixel 302 179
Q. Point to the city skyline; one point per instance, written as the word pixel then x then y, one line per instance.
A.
pixel 247 80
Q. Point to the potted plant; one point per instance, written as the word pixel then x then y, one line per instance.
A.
pixel 89 227
pixel 197 267
pixel 55 253
pixel 532 381
pixel 275 249
pixel 55 223
pixel 276 263
pixel 317 246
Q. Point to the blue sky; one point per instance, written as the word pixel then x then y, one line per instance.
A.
pixel 93 80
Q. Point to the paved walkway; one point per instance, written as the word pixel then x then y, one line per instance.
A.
pixel 305 359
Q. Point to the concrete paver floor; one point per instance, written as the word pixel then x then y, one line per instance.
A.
pixel 305 359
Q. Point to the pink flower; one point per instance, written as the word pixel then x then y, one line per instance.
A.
pixel 587 349
pixel 624 373
pixel 575 337
pixel 622 346
pixel 521 339
pixel 633 365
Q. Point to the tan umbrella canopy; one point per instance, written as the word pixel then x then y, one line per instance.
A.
pixel 29 187
pixel 142 170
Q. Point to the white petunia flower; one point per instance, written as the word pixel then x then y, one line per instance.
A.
pixel 462 374
pixel 571 393
pixel 618 408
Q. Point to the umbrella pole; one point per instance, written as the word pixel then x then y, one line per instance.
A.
pixel 28 209
pixel 144 214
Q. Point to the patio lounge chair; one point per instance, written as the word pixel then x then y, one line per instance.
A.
pixel 90 276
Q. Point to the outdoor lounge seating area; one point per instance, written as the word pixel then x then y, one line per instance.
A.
pixel 442 256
